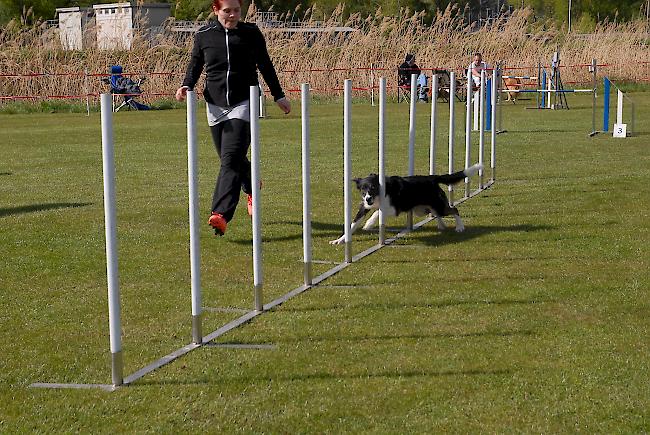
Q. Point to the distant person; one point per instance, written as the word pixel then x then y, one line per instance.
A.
pixel 231 52
pixel 404 72
pixel 476 67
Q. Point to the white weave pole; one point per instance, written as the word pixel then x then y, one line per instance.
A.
pixel 619 107
pixel 476 101
pixel 382 173
pixel 452 122
pixel 481 130
pixel 549 88
pixel 347 170
pixel 306 185
pixel 195 250
pixel 493 126
pixel 110 222
pixel 468 129
pixel 255 187
pixel 411 168
pixel 434 116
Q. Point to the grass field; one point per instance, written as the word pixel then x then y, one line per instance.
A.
pixel 536 319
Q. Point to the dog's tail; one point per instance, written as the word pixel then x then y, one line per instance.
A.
pixel 459 176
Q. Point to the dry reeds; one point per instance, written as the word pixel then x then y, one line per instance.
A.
pixel 324 59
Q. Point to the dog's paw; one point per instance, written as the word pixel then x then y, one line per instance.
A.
pixel 460 228
pixel 337 241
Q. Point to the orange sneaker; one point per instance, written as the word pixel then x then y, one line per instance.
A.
pixel 250 205
pixel 219 224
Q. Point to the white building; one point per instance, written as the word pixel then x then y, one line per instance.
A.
pixel 114 23
pixel 72 21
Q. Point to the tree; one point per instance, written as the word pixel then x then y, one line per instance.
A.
pixel 29 11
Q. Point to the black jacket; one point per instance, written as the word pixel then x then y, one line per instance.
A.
pixel 404 73
pixel 231 59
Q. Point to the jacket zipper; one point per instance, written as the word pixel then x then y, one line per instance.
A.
pixel 228 70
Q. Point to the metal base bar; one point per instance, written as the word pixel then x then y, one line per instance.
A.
pixel 241 346
pixel 104 387
pixel 242 319
pixel 225 310
pixel 474 193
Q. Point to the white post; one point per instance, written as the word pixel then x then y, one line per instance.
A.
pixel 476 101
pixel 549 87
pixel 382 174
pixel 110 221
pixel 432 140
pixel 262 99
pixel 87 91
pixel 411 168
pixel 306 185
pixel 481 134
pixel 195 250
pixel 262 109
pixel 347 171
pixel 255 187
pixel 493 126
pixel 619 107
pixel 468 129
pixel 452 118
pixel 372 85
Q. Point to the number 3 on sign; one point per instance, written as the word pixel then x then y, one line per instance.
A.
pixel 620 130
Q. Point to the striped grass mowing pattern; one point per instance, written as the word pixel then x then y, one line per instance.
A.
pixel 533 320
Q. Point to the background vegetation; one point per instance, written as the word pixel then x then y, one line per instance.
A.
pixel 325 59
pixel 588 11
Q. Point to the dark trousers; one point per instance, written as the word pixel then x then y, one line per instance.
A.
pixel 232 139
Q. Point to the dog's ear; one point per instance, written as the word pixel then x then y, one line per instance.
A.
pixel 357 181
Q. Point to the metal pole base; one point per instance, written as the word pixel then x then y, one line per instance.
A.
pixel 382 234
pixel 348 252
pixel 117 366
pixel 409 221
pixel 259 305
pixel 197 333
pixel 467 189
pixel 308 273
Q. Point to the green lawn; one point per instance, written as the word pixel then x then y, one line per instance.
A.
pixel 536 319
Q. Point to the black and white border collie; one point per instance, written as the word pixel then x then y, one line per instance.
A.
pixel 420 194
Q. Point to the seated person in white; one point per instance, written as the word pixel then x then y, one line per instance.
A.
pixel 476 67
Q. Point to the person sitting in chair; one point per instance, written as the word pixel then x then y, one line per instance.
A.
pixel 423 88
pixel 404 72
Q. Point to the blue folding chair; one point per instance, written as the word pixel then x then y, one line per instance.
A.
pixel 125 87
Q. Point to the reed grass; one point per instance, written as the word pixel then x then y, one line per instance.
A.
pixel 380 41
